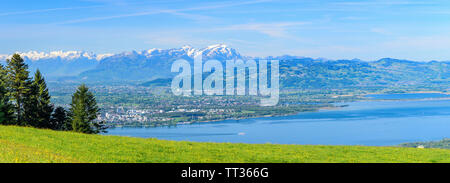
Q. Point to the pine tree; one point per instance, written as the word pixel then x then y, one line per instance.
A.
pixel 84 111
pixel 59 119
pixel 41 96
pixel 19 86
pixel 30 106
pixel 6 115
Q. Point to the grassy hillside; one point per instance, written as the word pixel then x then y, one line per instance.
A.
pixel 19 144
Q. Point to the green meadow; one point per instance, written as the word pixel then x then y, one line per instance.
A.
pixel 22 144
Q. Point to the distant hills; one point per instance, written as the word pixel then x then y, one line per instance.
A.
pixel 387 72
pixel 295 71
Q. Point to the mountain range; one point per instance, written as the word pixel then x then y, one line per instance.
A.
pixel 89 66
pixel 58 63
pixel 295 71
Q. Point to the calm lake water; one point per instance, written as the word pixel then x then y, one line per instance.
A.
pixel 375 123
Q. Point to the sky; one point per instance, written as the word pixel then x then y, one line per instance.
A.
pixel 335 29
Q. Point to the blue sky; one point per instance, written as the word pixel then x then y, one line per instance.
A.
pixel 338 29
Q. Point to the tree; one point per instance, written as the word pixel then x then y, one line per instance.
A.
pixel 6 115
pixel 30 106
pixel 59 120
pixel 84 111
pixel 19 85
pixel 41 96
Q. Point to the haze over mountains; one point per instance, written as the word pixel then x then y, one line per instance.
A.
pixel 295 71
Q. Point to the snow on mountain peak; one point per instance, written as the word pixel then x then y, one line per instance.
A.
pixel 221 51
pixel 102 56
pixel 153 50
pixel 64 55
pixel 215 46
pixel 217 51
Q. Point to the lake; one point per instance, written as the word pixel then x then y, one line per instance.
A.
pixel 375 123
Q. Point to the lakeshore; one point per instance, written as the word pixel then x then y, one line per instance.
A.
pixel 379 123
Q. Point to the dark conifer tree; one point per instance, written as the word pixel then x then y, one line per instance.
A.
pixel 41 97
pixel 30 106
pixel 84 111
pixel 19 85
pixel 59 119
pixel 6 115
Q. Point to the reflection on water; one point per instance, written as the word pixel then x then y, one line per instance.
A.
pixel 361 123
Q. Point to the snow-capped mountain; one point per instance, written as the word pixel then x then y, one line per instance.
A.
pixel 59 63
pixel 218 51
pixel 135 65
pixel 153 63
pixel 61 55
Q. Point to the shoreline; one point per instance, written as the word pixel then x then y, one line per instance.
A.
pixel 339 107
pixel 362 98
pixel 212 121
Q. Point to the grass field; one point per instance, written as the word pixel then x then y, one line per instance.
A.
pixel 19 144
